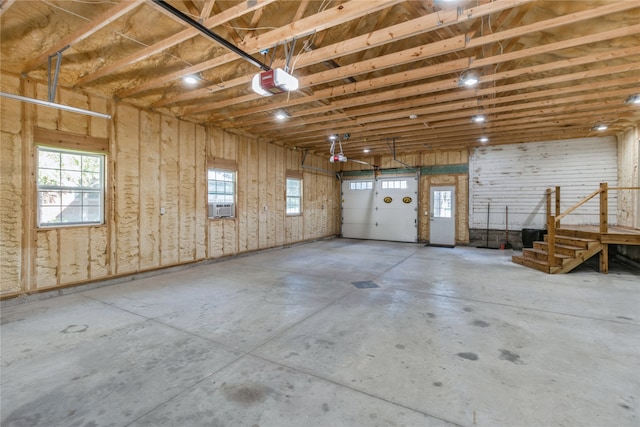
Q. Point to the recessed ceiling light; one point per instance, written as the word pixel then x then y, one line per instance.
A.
pixel 366 150
pixel 479 118
pixel 413 116
pixel 483 139
pixel 333 137
pixel 190 80
pixel 600 127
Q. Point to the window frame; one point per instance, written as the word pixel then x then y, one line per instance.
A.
pixel 213 168
pixel 101 190
pixel 299 197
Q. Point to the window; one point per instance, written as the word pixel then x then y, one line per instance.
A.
pixel 402 185
pixel 294 196
pixel 221 193
pixel 70 187
pixel 442 207
pixel 361 185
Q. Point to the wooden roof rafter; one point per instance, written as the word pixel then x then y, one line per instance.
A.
pixel 84 32
pixel 216 20
pixel 412 55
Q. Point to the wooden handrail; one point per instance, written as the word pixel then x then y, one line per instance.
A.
pixel 583 201
pixel 577 205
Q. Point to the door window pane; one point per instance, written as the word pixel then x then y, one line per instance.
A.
pixel 442 207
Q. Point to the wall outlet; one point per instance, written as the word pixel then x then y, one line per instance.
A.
pixel 163 211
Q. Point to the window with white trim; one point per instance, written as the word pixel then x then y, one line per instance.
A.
pixel 221 193
pixel 294 196
pixel 71 187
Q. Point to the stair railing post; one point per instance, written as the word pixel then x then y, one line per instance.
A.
pixel 551 241
pixel 558 204
pixel 604 207
pixel 548 197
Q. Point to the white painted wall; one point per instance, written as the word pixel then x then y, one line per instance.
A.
pixel 518 175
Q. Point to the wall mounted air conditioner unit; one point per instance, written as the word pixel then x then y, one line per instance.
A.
pixel 221 210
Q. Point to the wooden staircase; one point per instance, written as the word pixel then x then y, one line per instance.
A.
pixel 565 248
pixel 569 252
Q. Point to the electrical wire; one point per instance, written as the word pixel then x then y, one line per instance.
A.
pixel 65 10
pixel 114 32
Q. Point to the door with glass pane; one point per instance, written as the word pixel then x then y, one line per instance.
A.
pixel 442 224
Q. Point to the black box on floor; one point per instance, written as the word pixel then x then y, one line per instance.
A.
pixel 530 235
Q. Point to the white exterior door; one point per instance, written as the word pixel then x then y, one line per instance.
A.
pixel 442 224
pixel 380 209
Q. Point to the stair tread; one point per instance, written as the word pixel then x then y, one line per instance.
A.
pixel 534 263
pixel 533 260
pixel 540 251
pixel 559 245
pixel 579 239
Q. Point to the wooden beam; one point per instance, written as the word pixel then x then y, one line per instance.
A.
pixel 548 24
pixel 85 31
pixel 401 109
pixel 452 128
pixel 205 13
pixel 504 131
pixel 417 74
pixel 5 5
pixel 391 34
pixel 214 21
pixel 60 139
pixel 440 120
pixel 410 91
pixel 302 7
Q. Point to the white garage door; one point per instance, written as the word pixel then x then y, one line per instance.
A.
pixel 380 209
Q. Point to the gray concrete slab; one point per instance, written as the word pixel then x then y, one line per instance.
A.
pixel 283 338
pixel 255 392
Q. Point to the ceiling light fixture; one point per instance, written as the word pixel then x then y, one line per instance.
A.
pixel 469 78
pixel 478 118
pixel 633 99
pixel 282 115
pixel 600 127
pixel 483 139
pixel 366 150
pixel 413 116
pixel 190 80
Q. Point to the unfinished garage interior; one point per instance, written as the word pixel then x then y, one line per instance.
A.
pixel 320 213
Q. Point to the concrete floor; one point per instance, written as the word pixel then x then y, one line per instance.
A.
pixel 283 338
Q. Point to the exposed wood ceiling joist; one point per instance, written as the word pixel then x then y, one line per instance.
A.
pixel 548 68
